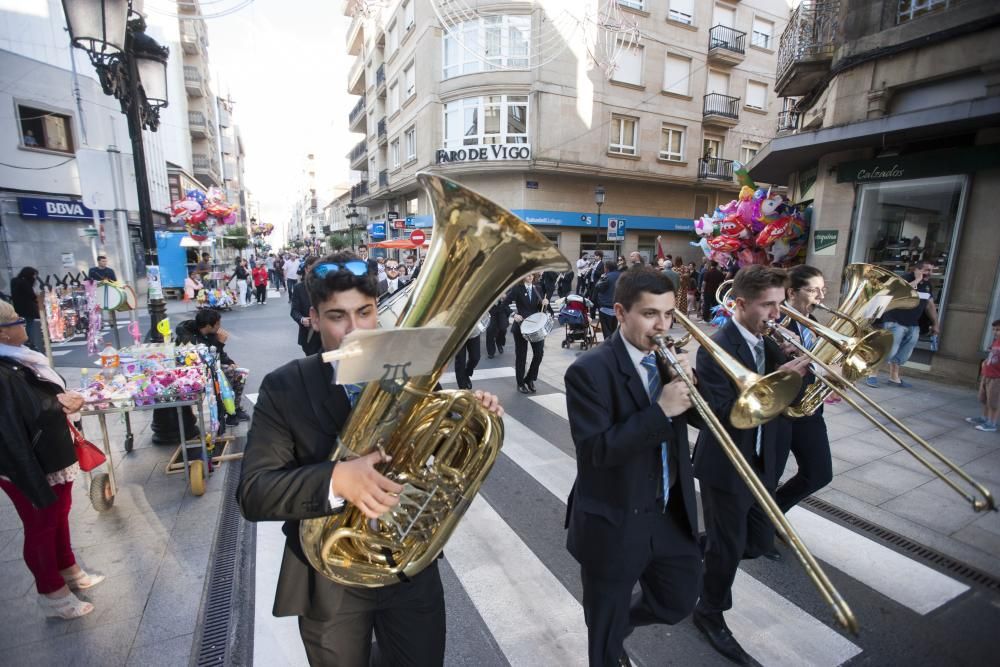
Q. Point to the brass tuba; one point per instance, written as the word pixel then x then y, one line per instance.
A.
pixel 442 444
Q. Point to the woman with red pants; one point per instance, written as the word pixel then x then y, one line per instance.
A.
pixel 37 467
pixel 259 275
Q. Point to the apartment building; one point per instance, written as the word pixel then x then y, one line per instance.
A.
pixel 660 136
pixel 202 107
pixel 894 137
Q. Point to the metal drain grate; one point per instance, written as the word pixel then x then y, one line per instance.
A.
pixel 919 551
pixel 215 627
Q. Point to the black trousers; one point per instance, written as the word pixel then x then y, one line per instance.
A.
pixel 521 356
pixel 737 528
pixel 609 324
pixel 811 446
pixel 466 361
pixel 408 620
pixel 261 293
pixel 496 333
pixel 708 302
pixel 669 578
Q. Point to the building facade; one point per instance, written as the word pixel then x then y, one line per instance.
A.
pixel 894 136
pixel 539 133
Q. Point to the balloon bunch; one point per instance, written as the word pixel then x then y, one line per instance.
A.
pixel 759 227
pixel 262 229
pixel 201 211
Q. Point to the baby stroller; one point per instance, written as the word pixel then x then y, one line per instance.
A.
pixel 575 317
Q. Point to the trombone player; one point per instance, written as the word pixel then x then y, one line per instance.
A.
pixel 736 525
pixel 809 442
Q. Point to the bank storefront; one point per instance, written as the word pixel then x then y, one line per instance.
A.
pixel 57 235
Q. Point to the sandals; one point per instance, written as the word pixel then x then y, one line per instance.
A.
pixel 82 580
pixel 67 607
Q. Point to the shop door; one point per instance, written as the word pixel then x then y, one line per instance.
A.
pixel 900 223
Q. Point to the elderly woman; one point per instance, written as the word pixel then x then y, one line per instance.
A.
pixel 37 467
pixel 192 285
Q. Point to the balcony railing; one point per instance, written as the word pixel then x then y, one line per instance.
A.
pixel 715 168
pixel 359 151
pixel 359 190
pixel 730 39
pixel 788 121
pixel 382 130
pixel 383 178
pixel 380 76
pixel 193 81
pixel 358 110
pixel 717 104
pixel 809 39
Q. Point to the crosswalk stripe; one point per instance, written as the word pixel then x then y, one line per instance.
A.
pixel 904 580
pixel 69 343
pixel 482 374
pixel 252 398
pixel 276 639
pixel 530 614
pixel 60 353
pixel 772 629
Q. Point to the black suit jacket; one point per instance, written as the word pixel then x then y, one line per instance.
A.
pixel 617 434
pixel 711 465
pixel 286 473
pixel 518 296
pixel 308 339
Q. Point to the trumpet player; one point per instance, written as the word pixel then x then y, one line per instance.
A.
pixel 631 514
pixel 288 476
pixel 736 526
pixel 809 443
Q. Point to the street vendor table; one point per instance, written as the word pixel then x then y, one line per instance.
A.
pixel 102 484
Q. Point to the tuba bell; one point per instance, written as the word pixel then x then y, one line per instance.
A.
pixel 442 443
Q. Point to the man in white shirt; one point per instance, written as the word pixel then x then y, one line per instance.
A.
pixel 291 269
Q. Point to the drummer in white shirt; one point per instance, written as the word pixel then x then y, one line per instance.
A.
pixel 528 300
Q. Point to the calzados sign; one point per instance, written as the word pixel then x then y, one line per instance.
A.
pixel 484 153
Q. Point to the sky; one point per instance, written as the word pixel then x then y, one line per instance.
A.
pixel 285 64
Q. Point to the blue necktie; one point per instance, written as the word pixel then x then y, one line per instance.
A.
pixel 808 339
pixel 759 358
pixel 353 391
pixel 653 386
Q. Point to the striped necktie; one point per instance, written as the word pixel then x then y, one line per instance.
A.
pixel 653 386
pixel 808 338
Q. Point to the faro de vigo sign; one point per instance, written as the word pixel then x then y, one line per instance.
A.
pixel 484 153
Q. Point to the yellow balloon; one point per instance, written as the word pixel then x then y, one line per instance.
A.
pixel 163 326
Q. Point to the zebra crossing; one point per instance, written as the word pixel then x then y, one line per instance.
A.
pixel 535 617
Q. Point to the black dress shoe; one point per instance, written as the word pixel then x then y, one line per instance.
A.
pixel 531 387
pixel 499 349
pixel 624 660
pixel 773 554
pixel 489 356
pixel 718 634
pixel 523 389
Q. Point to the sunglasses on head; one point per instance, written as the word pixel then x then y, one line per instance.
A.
pixel 16 322
pixel 355 267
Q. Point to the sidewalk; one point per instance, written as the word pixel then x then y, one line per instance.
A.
pixel 878 481
pixel 154 546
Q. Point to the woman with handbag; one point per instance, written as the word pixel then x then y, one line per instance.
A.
pixel 38 463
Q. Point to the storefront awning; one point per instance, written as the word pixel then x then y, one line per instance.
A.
pixel 784 156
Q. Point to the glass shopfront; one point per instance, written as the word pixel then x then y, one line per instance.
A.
pixel 900 222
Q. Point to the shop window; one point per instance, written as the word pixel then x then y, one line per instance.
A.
pixel 45 129
pixel 900 223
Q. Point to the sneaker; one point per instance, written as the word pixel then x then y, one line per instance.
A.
pixel 987 427
pixel 902 384
pixel 232 420
pixel 976 421
pixel 872 382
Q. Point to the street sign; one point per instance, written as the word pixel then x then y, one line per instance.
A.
pixel 409 221
pixel 378 230
pixel 391 215
pixel 621 229
pixel 612 229
pixel 399 223
pixel 417 237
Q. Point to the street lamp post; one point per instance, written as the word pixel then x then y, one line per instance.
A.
pixel 132 68
pixel 352 213
pixel 599 200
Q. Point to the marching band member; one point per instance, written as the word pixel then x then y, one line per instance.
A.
pixel 736 525
pixel 809 442
pixel 528 300
pixel 631 514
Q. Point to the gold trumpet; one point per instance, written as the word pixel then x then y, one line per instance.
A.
pixel 837 383
pixel 771 394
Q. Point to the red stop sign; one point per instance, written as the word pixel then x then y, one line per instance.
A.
pixel 417 237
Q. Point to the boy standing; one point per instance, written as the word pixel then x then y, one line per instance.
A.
pixel 989 386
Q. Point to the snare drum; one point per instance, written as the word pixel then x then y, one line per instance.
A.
pixel 129 302
pixel 481 326
pixel 110 296
pixel 536 327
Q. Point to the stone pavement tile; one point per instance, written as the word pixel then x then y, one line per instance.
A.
pixel 892 478
pixel 169 653
pixel 197 521
pixel 876 438
pixel 11 542
pixel 172 608
pixel 962 407
pixel 975 536
pixel 867 493
pixel 945 515
pixel 926 428
pixel 972 435
pixel 841 466
pixel 9 520
pixel 23 622
pixel 835 430
pixel 115 558
pixel 856 451
pixel 15 580
pixel 103 646
pixel 989 521
pixel 110 528
pixel 988 562
pixel 118 598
